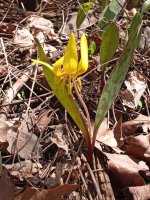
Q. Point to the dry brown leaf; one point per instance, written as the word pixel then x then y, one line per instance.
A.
pixel 129 127
pixel 126 170
pixel 50 194
pixel 42 24
pixel 139 146
pixel 3 68
pixel 23 169
pixel 22 142
pixel 6 187
pixel 57 137
pixel 138 193
pixel 111 137
pixel 7 28
pixel 136 85
pixel 145 40
pixel 42 121
pixel 23 38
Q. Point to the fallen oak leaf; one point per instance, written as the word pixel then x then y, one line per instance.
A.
pixel 50 194
pixel 126 170
pixel 139 146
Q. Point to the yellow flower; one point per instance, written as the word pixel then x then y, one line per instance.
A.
pixel 68 66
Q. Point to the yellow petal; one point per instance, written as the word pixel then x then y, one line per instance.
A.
pixel 83 64
pixel 58 67
pixel 71 56
pixel 42 63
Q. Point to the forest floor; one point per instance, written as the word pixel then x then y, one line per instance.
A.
pixel 43 153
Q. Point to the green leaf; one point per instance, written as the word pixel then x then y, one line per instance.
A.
pixel 92 48
pixel 63 96
pixel 116 79
pixel 83 11
pixel 133 25
pixel 110 12
pixel 146 6
pixel 109 44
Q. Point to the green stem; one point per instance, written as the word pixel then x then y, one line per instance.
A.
pixel 89 144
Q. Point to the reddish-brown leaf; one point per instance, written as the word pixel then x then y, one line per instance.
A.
pixel 50 194
pixel 126 170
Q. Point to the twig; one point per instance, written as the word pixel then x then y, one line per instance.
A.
pixel 11 93
pixel 93 178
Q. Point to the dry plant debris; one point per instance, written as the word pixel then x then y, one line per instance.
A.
pixel 42 153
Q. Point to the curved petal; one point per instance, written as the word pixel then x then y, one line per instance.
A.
pixel 71 56
pixel 83 64
pixel 42 63
pixel 58 67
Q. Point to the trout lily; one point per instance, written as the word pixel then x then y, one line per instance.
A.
pixel 69 67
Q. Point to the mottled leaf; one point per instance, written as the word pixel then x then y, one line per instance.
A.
pixel 109 44
pixel 115 80
pixel 110 12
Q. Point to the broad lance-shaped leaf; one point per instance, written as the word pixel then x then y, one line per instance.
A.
pixel 109 44
pixel 116 79
pixel 110 12
pixel 64 97
pixel 133 25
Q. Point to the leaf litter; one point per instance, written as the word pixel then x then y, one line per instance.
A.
pixel 33 144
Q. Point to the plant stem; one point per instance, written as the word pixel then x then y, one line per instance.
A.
pixel 84 106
